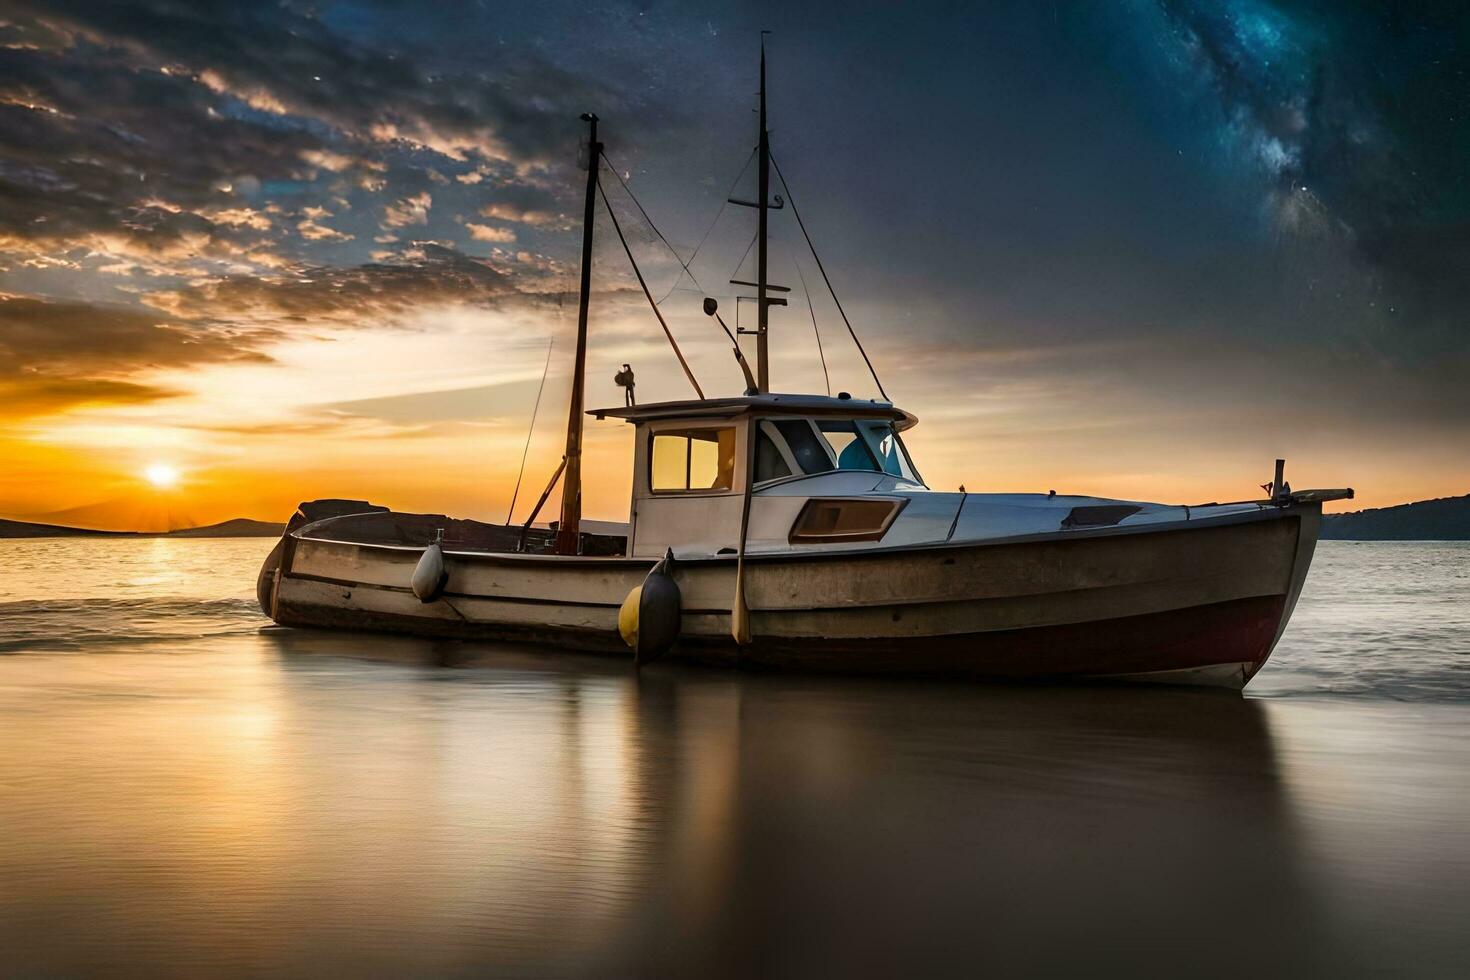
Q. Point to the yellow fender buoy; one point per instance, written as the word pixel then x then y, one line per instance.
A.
pixel 628 618
pixel 650 616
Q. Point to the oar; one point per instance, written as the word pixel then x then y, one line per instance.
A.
pixel 740 612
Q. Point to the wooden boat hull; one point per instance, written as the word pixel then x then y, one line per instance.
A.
pixel 1191 602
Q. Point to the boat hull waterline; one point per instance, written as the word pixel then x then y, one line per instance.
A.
pixel 1201 602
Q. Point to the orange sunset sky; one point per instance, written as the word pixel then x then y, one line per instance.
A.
pixel 308 254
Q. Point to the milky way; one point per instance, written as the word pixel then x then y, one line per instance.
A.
pixel 1358 118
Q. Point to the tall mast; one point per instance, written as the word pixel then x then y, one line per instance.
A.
pixel 568 533
pixel 763 310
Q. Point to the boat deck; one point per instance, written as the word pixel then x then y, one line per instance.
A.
pixel 385 527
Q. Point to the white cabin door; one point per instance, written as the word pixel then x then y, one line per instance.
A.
pixel 687 493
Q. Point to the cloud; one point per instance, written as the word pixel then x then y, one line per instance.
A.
pixel 160 140
pixel 122 139
pixel 253 96
pixel 328 160
pixel 236 217
pixel 38 335
pixel 55 355
pixel 280 60
pixel 315 232
pixel 428 274
pixel 37 396
pixel 507 211
pixel 412 210
pixel 485 233
pixel 457 404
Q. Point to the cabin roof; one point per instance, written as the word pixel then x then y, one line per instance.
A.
pixel 765 404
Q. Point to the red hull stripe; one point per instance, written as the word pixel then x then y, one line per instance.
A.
pixel 1239 631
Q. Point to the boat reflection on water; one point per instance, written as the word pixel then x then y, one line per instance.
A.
pixel 579 817
pixel 387 805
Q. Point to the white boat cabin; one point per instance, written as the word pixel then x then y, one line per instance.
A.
pixel 828 473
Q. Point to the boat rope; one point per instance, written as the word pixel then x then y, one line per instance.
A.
pixel 813 311
pixel 550 485
pixel 743 256
pixel 649 221
pixel 667 244
pixel 530 432
pixel 656 312
pixel 820 268
pixel 718 214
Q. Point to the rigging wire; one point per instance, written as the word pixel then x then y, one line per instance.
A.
pixel 667 244
pixel 656 312
pixel 695 254
pixel 672 251
pixel 733 184
pixel 815 329
pixel 802 225
pixel 743 256
pixel 530 432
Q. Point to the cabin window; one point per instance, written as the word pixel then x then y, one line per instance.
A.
pixel 770 462
pixel 892 454
pixel 810 453
pixel 848 448
pixel 821 446
pixel 692 460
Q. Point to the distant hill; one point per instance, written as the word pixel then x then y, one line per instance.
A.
pixel 26 529
pixel 238 528
pixel 1443 519
pixel 145 513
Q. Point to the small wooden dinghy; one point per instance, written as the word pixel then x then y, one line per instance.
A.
pixel 795 531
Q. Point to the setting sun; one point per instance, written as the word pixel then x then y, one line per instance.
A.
pixel 161 475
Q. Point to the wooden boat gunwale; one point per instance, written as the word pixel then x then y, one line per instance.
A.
pixel 1266 512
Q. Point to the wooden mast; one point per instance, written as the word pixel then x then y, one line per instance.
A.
pixel 568 532
pixel 763 307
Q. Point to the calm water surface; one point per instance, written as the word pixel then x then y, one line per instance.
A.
pixel 187 791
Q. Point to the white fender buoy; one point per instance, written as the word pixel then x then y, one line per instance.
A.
pixel 430 575
pixel 649 619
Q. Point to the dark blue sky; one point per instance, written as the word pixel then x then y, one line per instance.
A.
pixel 1166 218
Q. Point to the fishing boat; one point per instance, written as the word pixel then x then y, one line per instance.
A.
pixel 795 531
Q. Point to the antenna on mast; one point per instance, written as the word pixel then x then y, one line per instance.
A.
pixel 763 312
pixel 763 300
